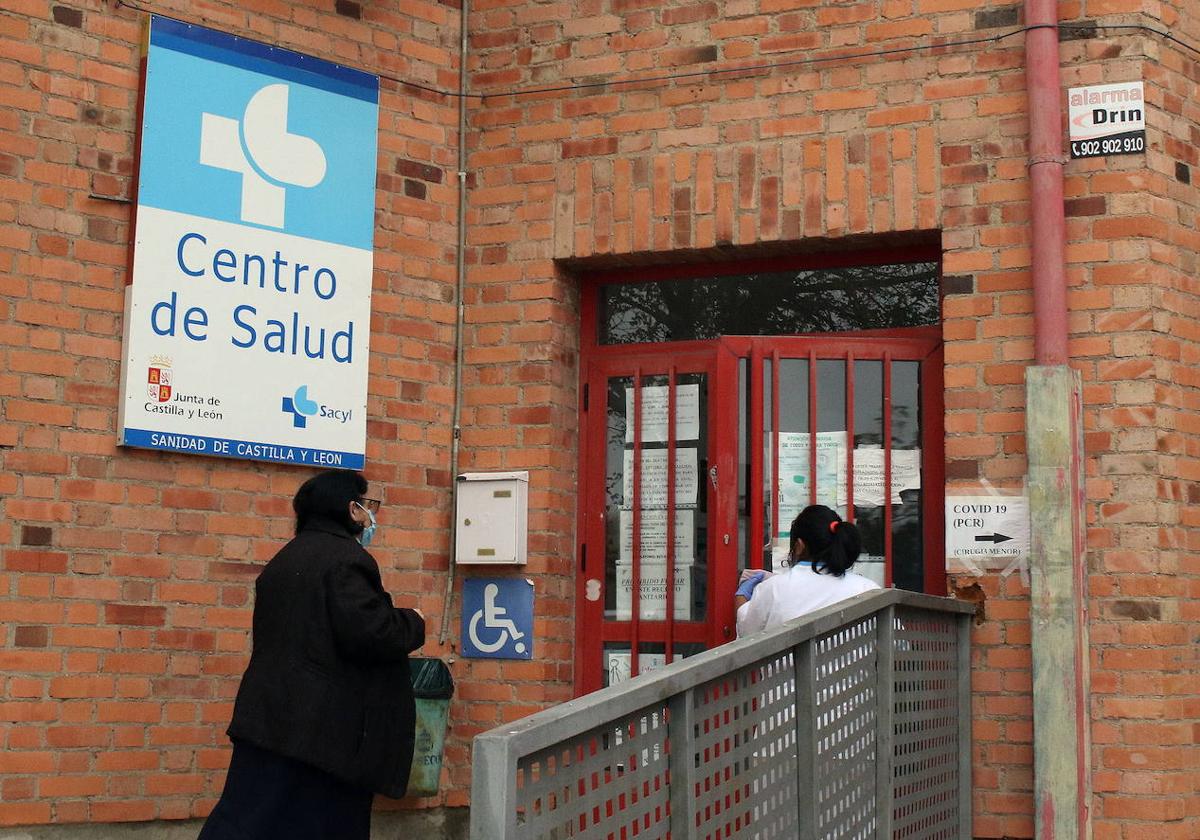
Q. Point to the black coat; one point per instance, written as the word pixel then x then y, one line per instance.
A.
pixel 328 682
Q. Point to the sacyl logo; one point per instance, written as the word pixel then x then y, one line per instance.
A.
pixel 260 148
pixel 300 406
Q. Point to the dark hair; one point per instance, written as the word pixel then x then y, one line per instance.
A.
pixel 831 543
pixel 328 495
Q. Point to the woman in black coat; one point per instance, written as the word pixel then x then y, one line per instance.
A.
pixel 325 716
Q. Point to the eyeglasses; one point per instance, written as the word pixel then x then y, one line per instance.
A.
pixel 370 504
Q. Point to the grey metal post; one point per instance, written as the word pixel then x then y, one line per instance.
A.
pixel 965 713
pixel 681 729
pixel 493 790
pixel 885 720
pixel 806 741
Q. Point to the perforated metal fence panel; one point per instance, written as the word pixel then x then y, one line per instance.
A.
pixel 849 724
pixel 608 782
pixel 745 752
pixel 926 721
pixel 846 718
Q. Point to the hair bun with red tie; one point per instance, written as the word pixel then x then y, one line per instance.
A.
pixel 831 543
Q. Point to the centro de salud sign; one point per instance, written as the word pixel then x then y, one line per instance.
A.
pixel 247 315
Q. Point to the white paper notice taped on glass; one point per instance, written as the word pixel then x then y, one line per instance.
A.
pixel 654 475
pixel 652 589
pixel 654 413
pixel 871 567
pixel 653 545
pixel 868 475
pixel 795 478
pixel 781 551
pixel 619 664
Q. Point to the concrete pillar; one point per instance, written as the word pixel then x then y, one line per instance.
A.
pixel 1058 609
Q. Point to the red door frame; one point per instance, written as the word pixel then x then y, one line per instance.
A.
pixel 722 392
pixel 635 361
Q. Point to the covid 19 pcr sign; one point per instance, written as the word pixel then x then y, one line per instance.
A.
pixel 247 317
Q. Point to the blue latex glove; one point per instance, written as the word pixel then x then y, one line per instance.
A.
pixel 746 590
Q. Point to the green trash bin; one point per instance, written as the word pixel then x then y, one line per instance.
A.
pixel 432 687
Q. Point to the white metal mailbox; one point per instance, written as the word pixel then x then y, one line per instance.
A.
pixel 492 526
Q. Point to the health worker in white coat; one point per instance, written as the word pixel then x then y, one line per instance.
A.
pixel 822 549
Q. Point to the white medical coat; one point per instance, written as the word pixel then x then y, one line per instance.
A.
pixel 793 593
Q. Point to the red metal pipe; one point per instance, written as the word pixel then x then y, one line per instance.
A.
pixel 1048 222
pixel 1051 330
pixel 1049 227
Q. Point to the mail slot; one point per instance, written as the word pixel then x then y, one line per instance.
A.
pixel 492 524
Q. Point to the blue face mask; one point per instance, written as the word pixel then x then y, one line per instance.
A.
pixel 368 532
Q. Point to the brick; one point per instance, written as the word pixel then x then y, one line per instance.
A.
pixel 844 100
pixel 67 16
pixel 1096 205
pixel 31 636
pixel 135 614
pixel 111 812
pixel 1005 16
pixel 24 813
pixel 29 661
pixel 899 115
pixel 52 562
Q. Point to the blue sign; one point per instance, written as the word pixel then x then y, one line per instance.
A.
pixel 255 135
pixel 247 320
pixel 497 618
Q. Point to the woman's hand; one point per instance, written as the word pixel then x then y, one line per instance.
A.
pixel 750 579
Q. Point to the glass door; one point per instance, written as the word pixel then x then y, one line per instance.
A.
pixel 750 430
pixel 853 423
pixel 651 535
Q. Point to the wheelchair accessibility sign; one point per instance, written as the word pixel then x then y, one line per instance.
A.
pixel 497 618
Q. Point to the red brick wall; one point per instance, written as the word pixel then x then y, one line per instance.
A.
pixel 793 157
pixel 125 576
pixel 1143 539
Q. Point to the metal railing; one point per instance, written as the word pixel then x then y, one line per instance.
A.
pixel 847 724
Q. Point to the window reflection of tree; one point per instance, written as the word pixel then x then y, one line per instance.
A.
pixel 777 303
pixel 613 479
pixel 614 485
pixel 907 561
pixel 902 416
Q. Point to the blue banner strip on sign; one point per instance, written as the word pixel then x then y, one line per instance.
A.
pixel 252 450
pixel 262 58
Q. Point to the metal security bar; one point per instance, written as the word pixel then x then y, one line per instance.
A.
pixel 850 723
